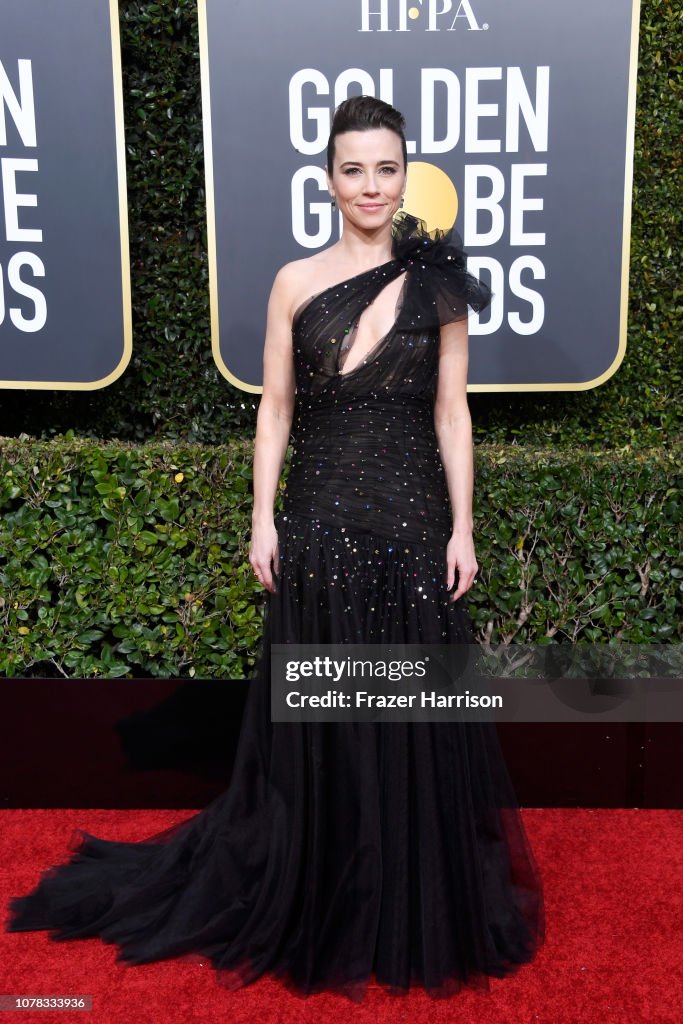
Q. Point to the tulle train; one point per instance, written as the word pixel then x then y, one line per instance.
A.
pixel 340 852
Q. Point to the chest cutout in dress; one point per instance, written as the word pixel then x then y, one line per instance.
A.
pixel 371 328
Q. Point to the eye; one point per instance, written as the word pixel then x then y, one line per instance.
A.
pixel 352 170
pixel 389 170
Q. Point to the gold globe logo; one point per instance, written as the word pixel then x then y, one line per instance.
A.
pixel 430 195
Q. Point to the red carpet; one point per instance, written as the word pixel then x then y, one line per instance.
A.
pixel 613 952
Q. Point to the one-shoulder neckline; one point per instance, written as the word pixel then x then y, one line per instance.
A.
pixel 337 284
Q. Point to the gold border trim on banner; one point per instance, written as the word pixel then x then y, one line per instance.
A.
pixel 211 205
pixel 43 385
pixel 626 224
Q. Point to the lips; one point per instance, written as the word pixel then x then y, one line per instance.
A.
pixel 371 206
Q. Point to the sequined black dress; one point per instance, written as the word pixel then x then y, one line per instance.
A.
pixel 341 853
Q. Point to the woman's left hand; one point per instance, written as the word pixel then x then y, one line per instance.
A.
pixel 460 559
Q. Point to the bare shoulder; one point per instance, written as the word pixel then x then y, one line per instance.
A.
pixel 298 280
pixel 291 273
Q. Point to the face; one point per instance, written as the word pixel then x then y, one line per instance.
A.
pixel 368 178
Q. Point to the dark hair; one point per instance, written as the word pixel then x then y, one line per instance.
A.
pixel 362 113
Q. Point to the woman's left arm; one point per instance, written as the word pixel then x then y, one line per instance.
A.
pixel 453 426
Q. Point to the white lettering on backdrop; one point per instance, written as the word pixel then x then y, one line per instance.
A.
pixel 452 117
pixel 19 106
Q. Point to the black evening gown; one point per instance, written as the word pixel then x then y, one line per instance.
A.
pixel 341 853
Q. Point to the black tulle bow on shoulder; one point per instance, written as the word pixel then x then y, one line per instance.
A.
pixel 440 285
pixel 412 241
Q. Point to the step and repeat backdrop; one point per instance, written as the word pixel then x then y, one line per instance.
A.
pixel 65 319
pixel 520 126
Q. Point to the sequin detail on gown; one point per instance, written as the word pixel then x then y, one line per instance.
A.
pixel 341 853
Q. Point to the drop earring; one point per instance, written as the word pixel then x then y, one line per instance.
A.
pixel 401 203
pixel 334 203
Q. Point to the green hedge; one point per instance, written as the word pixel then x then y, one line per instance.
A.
pixel 119 561
pixel 172 387
pixel 124 561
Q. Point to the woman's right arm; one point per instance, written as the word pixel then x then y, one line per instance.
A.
pixel 273 426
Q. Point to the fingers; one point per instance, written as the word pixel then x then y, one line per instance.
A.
pixel 264 576
pixel 262 570
pixel 266 580
pixel 458 582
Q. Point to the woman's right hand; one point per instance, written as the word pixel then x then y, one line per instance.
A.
pixel 264 554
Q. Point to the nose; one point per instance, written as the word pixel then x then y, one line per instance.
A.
pixel 371 188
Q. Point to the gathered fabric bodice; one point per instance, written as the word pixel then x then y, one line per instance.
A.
pixel 365 453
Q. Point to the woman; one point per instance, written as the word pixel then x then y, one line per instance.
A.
pixel 343 850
